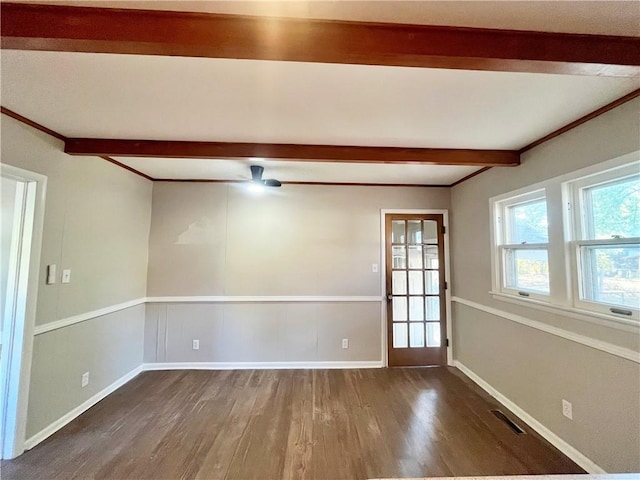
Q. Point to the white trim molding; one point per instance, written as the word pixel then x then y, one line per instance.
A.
pixel 260 365
pixel 582 460
pixel 62 421
pixel 607 347
pixel 65 322
pixel 265 299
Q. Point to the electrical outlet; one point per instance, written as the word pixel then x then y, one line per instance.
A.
pixel 567 409
pixel 374 267
pixel 196 345
pixel 345 343
pixel 85 379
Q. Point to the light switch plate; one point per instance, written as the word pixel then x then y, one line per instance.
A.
pixel 374 267
pixel 66 276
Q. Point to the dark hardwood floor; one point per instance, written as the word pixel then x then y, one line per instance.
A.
pixel 272 424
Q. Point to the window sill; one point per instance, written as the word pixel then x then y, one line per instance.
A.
pixel 611 321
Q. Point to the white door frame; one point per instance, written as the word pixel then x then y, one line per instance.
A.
pixel 20 312
pixel 383 283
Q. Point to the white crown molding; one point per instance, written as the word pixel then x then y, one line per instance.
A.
pixel 65 322
pixel 607 347
pixel 260 365
pixel 571 452
pixel 62 421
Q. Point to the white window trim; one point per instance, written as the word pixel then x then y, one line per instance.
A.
pixel 563 286
pixel 499 247
pixel 577 231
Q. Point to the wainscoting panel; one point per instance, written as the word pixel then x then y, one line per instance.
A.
pixel 263 332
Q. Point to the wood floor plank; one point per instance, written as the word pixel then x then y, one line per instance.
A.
pixel 291 424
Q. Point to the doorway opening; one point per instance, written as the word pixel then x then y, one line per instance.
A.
pixel 22 212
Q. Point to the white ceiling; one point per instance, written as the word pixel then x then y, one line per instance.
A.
pixel 225 100
pixel 292 171
pixel 202 99
pixel 592 17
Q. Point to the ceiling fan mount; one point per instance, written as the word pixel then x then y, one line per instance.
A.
pixel 256 177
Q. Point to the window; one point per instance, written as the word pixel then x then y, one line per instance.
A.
pixel 606 241
pixel 523 239
pixel 572 243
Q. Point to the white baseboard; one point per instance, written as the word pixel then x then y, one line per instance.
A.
pixel 552 438
pixel 62 421
pixel 258 365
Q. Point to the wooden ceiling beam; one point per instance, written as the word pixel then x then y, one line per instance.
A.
pixel 282 151
pixel 145 32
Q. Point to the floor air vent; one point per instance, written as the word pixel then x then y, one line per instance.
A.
pixel 513 426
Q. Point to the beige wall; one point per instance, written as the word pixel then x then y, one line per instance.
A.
pixel 96 223
pixel 108 347
pixel 219 240
pixel 263 332
pixel 534 369
pixel 216 239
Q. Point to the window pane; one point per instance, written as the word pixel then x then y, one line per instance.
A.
pixel 433 308
pixel 399 282
pixel 415 282
pixel 432 282
pixel 414 233
pixel 416 308
pixel 430 231
pixel 527 270
pixel 397 231
pixel 399 335
pixel 431 257
pixel 613 209
pixel 527 222
pixel 399 309
pixel 416 335
pixel 611 275
pixel 433 334
pixel 415 257
pixel 399 257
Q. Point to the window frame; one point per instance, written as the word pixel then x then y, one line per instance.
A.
pixel 501 249
pixel 563 298
pixel 579 233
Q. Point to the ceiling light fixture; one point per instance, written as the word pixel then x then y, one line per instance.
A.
pixel 255 188
pixel 258 183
